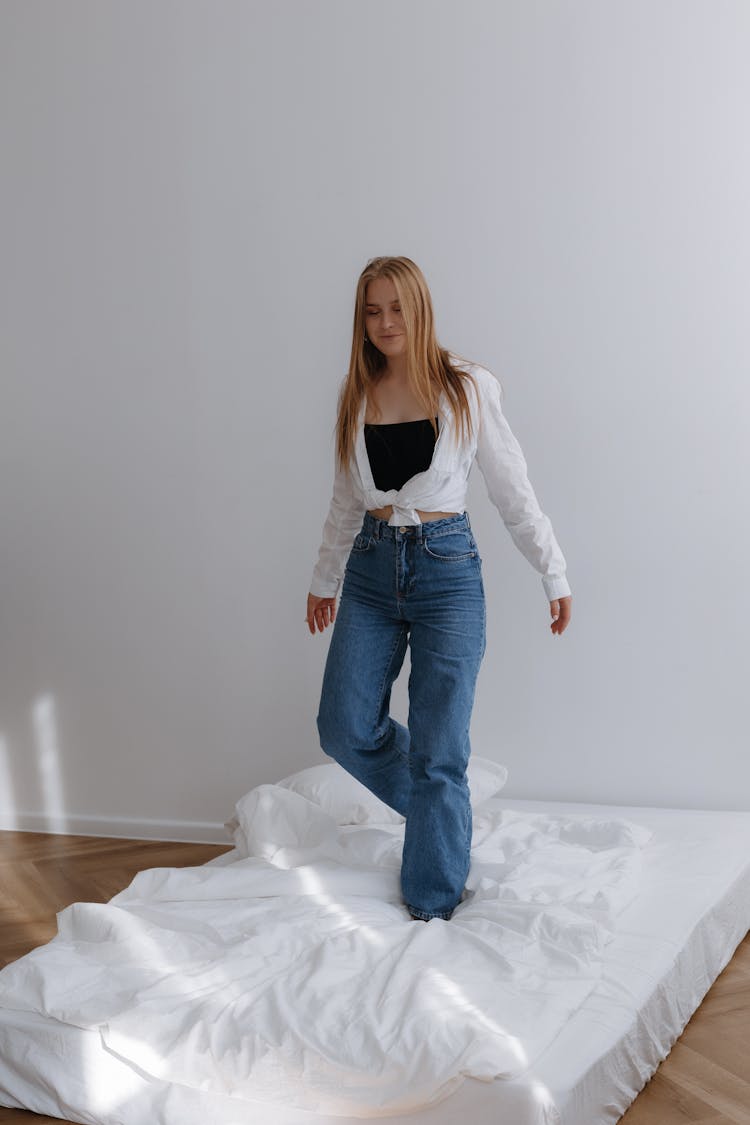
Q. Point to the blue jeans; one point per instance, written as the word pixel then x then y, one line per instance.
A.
pixel 422 585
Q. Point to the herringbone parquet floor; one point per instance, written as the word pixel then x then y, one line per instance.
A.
pixel 705 1080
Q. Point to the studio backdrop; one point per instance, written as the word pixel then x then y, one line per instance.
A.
pixel 190 192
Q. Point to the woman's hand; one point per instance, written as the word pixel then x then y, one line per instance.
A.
pixel 320 612
pixel 560 610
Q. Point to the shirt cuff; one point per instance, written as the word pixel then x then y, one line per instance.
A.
pixel 324 589
pixel 555 586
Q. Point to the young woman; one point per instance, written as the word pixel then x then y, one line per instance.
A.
pixel 412 418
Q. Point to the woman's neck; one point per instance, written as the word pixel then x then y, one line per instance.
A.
pixel 395 371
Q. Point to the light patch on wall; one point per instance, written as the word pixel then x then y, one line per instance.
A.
pixel 48 763
pixel 8 818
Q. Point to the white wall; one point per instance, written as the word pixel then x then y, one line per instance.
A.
pixel 190 191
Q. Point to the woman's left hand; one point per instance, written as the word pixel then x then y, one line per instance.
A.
pixel 560 610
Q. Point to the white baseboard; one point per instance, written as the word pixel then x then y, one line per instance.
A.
pixel 129 828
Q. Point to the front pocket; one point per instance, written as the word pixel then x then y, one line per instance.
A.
pixel 456 546
pixel 362 543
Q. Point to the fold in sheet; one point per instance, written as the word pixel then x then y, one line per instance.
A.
pixel 293 975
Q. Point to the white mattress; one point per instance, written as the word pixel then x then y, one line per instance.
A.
pixel 671 941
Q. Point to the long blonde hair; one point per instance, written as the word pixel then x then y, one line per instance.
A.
pixel 429 370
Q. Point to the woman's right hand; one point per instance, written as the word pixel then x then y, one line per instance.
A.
pixel 320 612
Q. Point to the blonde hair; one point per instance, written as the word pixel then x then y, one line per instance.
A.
pixel 429 370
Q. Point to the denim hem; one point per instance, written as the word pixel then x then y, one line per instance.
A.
pixel 425 916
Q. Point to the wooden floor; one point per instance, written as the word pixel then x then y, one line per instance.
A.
pixel 705 1080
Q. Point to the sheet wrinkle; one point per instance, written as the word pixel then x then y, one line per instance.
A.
pixel 291 974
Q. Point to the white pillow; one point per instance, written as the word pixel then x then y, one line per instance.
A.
pixel 348 801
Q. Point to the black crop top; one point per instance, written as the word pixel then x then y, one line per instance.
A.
pixel 398 450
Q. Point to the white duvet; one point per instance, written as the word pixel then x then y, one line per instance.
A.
pixel 293 975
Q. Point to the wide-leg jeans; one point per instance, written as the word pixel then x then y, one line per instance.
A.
pixel 420 585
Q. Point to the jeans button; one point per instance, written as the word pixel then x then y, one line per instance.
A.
pixel 402 529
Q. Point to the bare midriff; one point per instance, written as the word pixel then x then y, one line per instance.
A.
pixel 385 514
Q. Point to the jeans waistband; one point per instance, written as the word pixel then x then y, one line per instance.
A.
pixel 381 529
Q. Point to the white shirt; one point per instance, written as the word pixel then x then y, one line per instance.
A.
pixel 442 488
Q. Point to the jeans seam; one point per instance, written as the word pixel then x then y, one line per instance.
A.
pixel 381 690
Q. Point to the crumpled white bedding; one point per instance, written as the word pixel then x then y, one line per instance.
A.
pixel 293 974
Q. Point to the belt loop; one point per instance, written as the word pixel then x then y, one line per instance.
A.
pixel 468 521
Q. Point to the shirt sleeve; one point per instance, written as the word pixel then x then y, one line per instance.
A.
pixel 503 466
pixel 344 520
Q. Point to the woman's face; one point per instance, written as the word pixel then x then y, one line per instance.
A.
pixel 383 319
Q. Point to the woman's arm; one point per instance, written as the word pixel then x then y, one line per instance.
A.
pixel 503 466
pixel 344 520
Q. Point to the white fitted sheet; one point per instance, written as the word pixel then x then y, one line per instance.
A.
pixel 672 940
